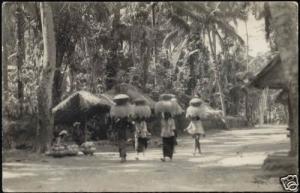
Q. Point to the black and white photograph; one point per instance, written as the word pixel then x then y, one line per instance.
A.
pixel 161 96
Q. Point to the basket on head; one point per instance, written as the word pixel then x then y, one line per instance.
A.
pixel 139 102
pixel 168 103
pixel 178 108
pixel 121 111
pixel 141 109
pixel 122 107
pixel 121 99
pixel 194 109
pixel 165 106
pixel 166 97
pixel 196 102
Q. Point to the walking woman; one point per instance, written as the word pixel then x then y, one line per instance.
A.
pixel 195 127
pixel 167 109
pixel 168 135
pixel 141 113
pixel 121 114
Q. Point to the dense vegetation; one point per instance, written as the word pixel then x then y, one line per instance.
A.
pixel 182 48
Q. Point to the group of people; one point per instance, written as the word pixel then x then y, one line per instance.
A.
pixel 130 120
pixel 124 125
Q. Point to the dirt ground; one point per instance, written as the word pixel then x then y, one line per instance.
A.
pixel 231 161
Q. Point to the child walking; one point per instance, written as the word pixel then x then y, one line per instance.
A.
pixel 141 137
pixel 141 112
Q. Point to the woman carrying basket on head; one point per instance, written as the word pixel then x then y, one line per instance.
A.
pixel 121 114
pixel 141 113
pixel 195 127
pixel 167 109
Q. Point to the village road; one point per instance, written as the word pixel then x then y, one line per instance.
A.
pixel 231 161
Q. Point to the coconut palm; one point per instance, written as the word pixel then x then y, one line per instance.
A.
pixel 211 20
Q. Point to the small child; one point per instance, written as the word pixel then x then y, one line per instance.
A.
pixel 61 137
pixel 141 136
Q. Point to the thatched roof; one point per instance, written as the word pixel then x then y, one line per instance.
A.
pixel 282 97
pixel 130 90
pixel 271 75
pixel 79 105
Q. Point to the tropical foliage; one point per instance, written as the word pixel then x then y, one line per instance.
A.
pixel 184 48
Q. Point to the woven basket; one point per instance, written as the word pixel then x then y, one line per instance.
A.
pixel 166 97
pixel 142 111
pixel 196 102
pixel 121 111
pixel 193 111
pixel 165 106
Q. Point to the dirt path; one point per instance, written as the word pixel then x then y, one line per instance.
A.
pixel 231 162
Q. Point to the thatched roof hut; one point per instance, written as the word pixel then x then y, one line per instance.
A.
pixel 271 75
pixel 80 105
pixel 130 90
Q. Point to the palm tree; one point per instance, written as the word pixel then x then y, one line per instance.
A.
pixel 212 19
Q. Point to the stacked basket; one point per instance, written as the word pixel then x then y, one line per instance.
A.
pixel 168 103
pixel 122 108
pixel 64 150
pixel 194 109
pixel 141 110
pixel 88 148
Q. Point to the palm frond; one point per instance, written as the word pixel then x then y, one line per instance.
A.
pixel 227 28
pixel 169 37
pixel 194 16
pixel 175 20
pixel 219 36
pixel 193 52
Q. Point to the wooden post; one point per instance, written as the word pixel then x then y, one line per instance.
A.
pixel 290 124
pixel 85 128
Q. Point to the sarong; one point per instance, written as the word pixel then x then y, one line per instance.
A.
pixel 142 144
pixel 168 146
pixel 122 147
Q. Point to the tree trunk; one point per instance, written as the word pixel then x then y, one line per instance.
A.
pixel 216 71
pixel 247 58
pixel 113 59
pixel 4 57
pixel 247 46
pixel 285 23
pixel 45 118
pixel 20 29
pixel 154 49
pixel 263 106
pixel 72 80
